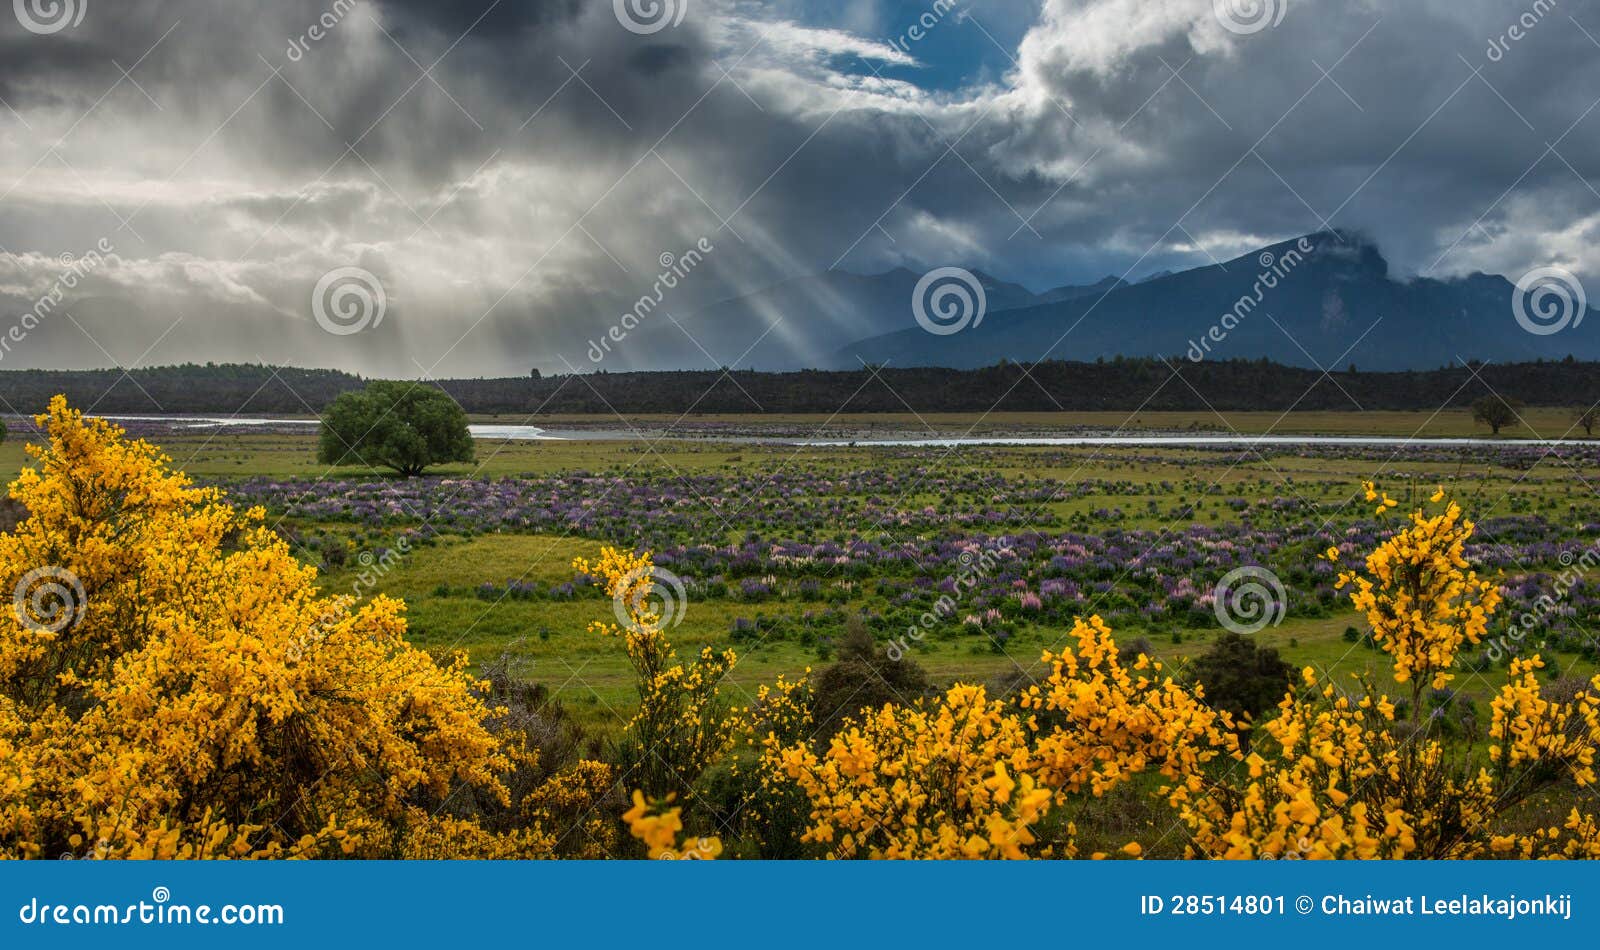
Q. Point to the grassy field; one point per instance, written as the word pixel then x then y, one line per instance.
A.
pixel 218 454
pixel 547 640
pixel 1546 423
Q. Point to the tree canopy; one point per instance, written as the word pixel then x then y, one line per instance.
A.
pixel 1495 412
pixel 400 425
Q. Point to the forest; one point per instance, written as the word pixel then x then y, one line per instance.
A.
pixel 1174 385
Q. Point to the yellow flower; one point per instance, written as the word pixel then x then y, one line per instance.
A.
pixel 964 777
pixel 217 704
pixel 658 826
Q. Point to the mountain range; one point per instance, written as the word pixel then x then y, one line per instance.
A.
pixel 1324 300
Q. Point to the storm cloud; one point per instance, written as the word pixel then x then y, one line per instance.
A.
pixel 517 175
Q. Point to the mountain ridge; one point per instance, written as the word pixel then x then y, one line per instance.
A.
pixel 1331 302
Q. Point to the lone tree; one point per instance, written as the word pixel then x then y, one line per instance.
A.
pixel 1495 412
pixel 398 425
pixel 1587 419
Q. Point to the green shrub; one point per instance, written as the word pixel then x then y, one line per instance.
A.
pixel 1240 677
pixel 864 678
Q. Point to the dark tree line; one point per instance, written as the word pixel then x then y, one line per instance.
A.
pixel 211 388
pixel 1114 385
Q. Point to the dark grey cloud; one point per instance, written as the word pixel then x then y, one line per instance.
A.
pixel 484 18
pixel 514 171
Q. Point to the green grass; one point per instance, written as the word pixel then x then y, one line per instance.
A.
pixel 550 640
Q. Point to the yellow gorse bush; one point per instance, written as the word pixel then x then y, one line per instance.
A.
pixel 197 697
pixel 1421 598
pixel 1531 733
pixel 965 777
pixel 1335 781
pixel 658 824
pixel 681 725
pixel 1340 777
pixel 950 780
pixel 1113 722
pixel 174 685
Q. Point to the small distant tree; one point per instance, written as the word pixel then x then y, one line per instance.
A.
pixel 1495 412
pixel 1586 419
pixel 399 425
